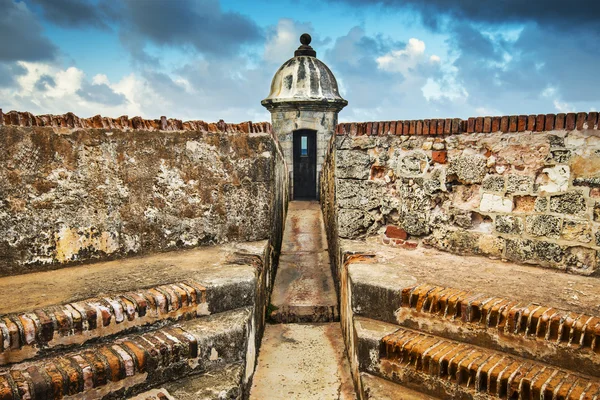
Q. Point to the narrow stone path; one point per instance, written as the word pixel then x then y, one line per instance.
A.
pixel 304 357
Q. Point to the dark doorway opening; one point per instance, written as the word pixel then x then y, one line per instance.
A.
pixel 305 164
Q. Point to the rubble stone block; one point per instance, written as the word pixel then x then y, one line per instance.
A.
pixel 495 203
pixel 544 225
pixel 468 168
pixel 519 183
pixel 493 183
pixel 577 230
pixel 509 224
pixel 573 203
pixel 581 259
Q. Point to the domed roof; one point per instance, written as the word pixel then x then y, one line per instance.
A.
pixel 304 81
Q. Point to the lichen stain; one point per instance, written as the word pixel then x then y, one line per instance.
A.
pixel 70 242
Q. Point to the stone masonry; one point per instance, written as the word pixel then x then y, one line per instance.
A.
pixel 521 188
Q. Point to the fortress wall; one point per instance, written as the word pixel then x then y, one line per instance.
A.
pixel 72 192
pixel 521 188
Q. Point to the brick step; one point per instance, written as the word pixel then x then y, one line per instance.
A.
pixel 564 338
pixel 134 363
pixel 536 327
pixel 451 369
pixel 114 305
pixel 218 384
pixel 377 388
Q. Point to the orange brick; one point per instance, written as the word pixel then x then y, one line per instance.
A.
pixel 452 310
pixel 533 319
pixel 544 322
pixel 435 306
pixel 493 371
pixel 528 378
pixel 416 294
pixel 439 365
pixel 547 389
pixel 200 291
pixel 512 388
pixel 539 380
pixel 22 384
pixel 513 316
pixel 129 307
pixel 563 391
pixel 440 347
pixel 183 294
pixel 160 346
pixel 579 388
pixel 422 297
pixel 419 350
pixel 188 341
pixel 430 299
pixel 74 378
pixel 589 332
pixel 482 367
pixel 406 295
pixel 467 369
pixel 503 314
pixel 466 307
pixel 139 302
pixel 116 370
pixel 6 392
pixel 99 367
pixel 577 329
pixel 455 363
pixel 13 332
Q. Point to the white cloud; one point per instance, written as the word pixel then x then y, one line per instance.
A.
pixel 404 60
pixel 283 40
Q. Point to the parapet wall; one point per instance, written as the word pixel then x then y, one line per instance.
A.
pixel 75 190
pixel 521 188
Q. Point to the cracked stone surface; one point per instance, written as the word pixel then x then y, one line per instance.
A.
pixel 302 361
pixel 304 290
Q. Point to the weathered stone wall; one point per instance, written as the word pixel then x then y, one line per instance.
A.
pixel 71 194
pixel 525 189
pixel 329 208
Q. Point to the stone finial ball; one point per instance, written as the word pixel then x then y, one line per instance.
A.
pixel 305 39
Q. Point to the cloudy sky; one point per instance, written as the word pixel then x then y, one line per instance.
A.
pixel 211 59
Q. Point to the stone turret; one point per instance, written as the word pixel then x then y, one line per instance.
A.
pixel 304 103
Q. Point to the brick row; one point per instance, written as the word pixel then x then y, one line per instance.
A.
pixel 483 371
pixel 505 124
pixel 76 373
pixel 42 326
pixel 505 316
pixel 70 120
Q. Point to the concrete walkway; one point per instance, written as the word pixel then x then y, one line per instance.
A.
pixel 303 358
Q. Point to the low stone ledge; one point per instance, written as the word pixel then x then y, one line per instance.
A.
pixel 133 363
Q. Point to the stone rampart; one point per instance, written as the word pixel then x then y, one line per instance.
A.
pixel 521 188
pixel 74 190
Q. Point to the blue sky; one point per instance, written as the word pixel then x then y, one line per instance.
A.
pixel 211 60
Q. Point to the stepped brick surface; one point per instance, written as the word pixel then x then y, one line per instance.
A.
pixel 117 296
pixel 304 290
pixel 519 310
pixel 508 317
pixel 481 370
pixel 133 361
